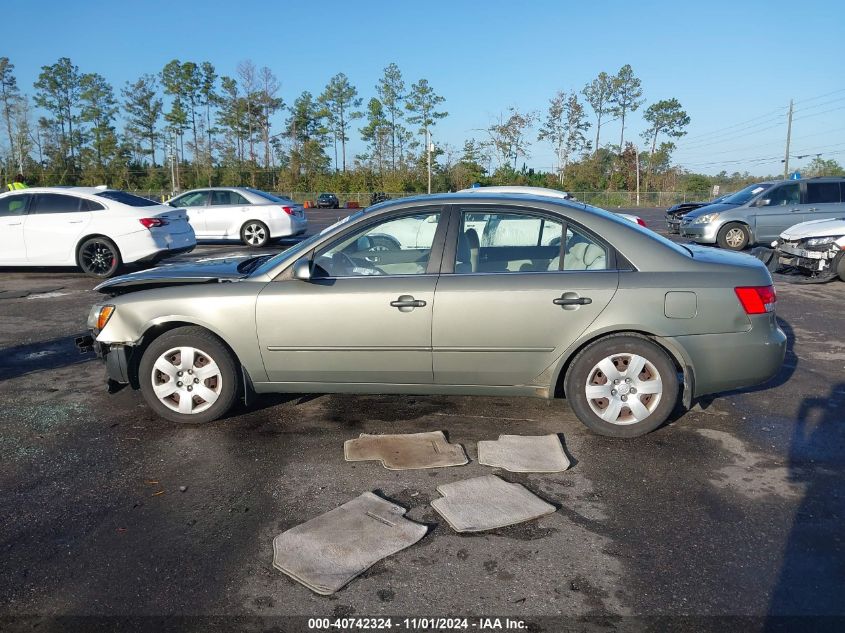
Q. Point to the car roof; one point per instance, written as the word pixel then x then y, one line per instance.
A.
pixel 65 189
pixel 537 191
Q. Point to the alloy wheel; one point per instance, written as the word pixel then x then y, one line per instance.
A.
pixel 255 234
pixel 97 257
pixel 735 237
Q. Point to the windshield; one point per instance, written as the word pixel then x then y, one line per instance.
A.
pixel 269 196
pixel 304 245
pixel 744 195
pixel 128 199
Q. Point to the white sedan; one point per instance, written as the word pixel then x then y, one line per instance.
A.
pixel 254 217
pixel 94 228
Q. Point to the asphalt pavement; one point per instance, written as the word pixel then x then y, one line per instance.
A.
pixel 733 510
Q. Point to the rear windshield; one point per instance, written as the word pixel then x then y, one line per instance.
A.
pixel 128 199
pixel 269 196
pixel 744 195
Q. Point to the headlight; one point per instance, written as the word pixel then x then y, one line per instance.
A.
pixel 821 241
pixel 99 316
pixel 706 218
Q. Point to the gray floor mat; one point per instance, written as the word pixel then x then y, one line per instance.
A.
pixel 328 551
pixel 524 454
pixel 487 503
pixel 407 451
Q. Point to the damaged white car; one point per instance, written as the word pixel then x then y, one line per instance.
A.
pixel 815 249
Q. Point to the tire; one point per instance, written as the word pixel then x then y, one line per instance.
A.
pixel 98 257
pixel 609 359
pixel 733 236
pixel 255 234
pixel 840 269
pixel 186 403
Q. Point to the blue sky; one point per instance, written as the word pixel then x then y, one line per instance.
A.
pixel 734 66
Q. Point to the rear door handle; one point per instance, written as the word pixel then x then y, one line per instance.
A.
pixel 74 221
pixel 580 301
pixel 813 209
pixel 406 303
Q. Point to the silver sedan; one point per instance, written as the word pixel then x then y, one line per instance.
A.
pixel 479 294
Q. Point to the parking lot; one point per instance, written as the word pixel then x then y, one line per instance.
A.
pixel 734 508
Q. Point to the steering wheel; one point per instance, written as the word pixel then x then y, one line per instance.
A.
pixel 342 260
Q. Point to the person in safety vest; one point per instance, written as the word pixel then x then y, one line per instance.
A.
pixel 17 183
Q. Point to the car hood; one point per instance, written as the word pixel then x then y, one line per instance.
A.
pixel 195 272
pixel 815 228
pixel 710 208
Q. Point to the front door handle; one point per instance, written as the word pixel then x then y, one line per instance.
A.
pixel 813 209
pixel 406 303
pixel 571 301
pixel 74 221
pixel 796 210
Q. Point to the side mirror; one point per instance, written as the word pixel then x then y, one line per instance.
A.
pixel 302 269
pixel 764 202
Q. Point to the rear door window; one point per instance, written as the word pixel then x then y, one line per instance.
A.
pixel 227 198
pixel 57 203
pixel 823 193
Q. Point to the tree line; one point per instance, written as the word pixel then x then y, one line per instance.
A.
pixel 188 126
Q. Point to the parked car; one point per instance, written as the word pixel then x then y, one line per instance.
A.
pixel 543 191
pixel 815 249
pixel 240 213
pixel 762 211
pixel 611 315
pixel 676 212
pixel 93 228
pixel 327 201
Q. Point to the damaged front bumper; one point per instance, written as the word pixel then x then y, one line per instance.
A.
pixel 787 258
pixel 117 359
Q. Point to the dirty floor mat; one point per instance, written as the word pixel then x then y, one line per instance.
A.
pixel 409 451
pixel 487 503
pixel 524 454
pixel 328 551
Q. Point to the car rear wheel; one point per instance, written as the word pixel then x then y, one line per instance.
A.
pixel 255 233
pixel 187 375
pixel 622 386
pixel 733 236
pixel 98 257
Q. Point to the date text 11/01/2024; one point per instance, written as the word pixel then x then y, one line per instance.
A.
pixel 417 624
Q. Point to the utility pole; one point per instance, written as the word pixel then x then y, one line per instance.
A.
pixel 429 147
pixel 788 136
pixel 637 151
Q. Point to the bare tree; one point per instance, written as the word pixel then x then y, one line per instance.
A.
pixel 508 135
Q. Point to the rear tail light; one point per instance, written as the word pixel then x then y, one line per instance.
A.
pixel 641 222
pixel 153 222
pixel 288 210
pixel 757 299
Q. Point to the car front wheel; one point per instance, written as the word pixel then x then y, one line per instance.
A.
pixel 622 386
pixel 255 233
pixel 187 375
pixel 733 236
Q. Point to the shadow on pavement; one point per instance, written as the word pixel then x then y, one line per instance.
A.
pixel 53 354
pixel 812 576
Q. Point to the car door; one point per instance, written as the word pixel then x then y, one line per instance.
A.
pixel 53 227
pixel 226 213
pixel 507 312
pixel 364 317
pixel 12 216
pixel 777 210
pixel 823 200
pixel 195 203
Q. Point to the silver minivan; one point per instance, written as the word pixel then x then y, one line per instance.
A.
pixel 760 212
